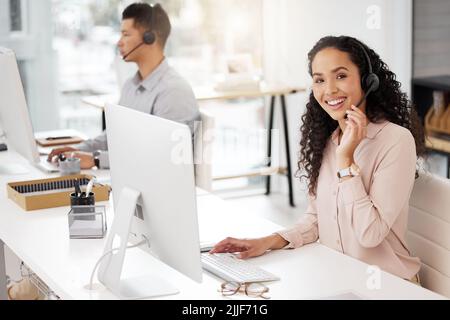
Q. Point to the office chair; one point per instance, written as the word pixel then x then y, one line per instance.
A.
pixel 429 231
pixel 203 143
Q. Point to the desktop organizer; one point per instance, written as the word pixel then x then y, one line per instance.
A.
pixel 87 222
pixel 52 192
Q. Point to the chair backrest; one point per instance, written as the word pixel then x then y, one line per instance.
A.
pixel 429 230
pixel 203 141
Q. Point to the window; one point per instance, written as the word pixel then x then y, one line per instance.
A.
pixel 207 37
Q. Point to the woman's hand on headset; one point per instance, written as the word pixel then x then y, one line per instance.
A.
pixel 354 132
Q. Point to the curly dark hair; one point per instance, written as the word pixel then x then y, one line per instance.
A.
pixel 386 103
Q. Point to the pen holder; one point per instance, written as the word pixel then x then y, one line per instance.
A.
pixel 69 166
pixel 83 204
pixel 87 222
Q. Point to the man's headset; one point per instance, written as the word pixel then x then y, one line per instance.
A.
pixel 369 82
pixel 147 38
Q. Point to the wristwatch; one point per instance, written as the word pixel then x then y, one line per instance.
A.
pixel 96 155
pixel 351 171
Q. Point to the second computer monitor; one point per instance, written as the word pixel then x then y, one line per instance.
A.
pixel 14 118
pixel 153 156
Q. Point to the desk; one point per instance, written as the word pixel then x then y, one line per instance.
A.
pixel 41 240
pixel 208 93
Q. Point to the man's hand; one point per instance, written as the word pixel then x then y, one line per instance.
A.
pixel 58 151
pixel 86 158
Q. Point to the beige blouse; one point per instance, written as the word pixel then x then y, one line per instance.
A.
pixel 366 216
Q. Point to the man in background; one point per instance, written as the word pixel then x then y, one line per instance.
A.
pixel 156 88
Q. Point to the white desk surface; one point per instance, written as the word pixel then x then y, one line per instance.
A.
pixel 205 93
pixel 41 239
pixel 58 133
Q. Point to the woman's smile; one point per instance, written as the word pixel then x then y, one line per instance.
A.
pixel 335 103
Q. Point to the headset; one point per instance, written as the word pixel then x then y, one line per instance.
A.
pixel 147 38
pixel 369 82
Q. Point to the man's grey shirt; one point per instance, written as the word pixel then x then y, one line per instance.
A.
pixel 164 93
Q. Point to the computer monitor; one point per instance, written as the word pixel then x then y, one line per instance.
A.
pixel 14 116
pixel 154 194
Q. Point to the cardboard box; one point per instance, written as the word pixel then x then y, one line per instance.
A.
pixel 52 192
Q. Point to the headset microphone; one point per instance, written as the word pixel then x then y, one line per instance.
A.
pixel 364 98
pixel 369 82
pixel 125 56
pixel 148 38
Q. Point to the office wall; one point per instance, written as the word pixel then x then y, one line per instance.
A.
pixel 33 47
pixel 291 28
pixel 431 37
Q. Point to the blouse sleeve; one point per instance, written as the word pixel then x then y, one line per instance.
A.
pixel 372 213
pixel 305 230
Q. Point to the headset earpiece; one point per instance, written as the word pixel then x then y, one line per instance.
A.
pixel 371 82
pixel 149 37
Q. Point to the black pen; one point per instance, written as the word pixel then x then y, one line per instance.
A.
pixel 57 138
pixel 77 188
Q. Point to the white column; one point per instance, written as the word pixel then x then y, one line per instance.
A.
pixel 41 74
pixel 33 48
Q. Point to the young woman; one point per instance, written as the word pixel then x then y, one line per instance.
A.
pixel 360 162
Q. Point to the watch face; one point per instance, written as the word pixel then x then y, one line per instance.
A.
pixel 344 173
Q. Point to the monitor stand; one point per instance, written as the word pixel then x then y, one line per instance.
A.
pixel 111 268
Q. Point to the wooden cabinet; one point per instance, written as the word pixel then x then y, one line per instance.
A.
pixel 422 96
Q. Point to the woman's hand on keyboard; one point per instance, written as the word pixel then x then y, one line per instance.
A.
pixel 248 248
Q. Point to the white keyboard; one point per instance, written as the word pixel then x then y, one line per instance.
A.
pixel 230 268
